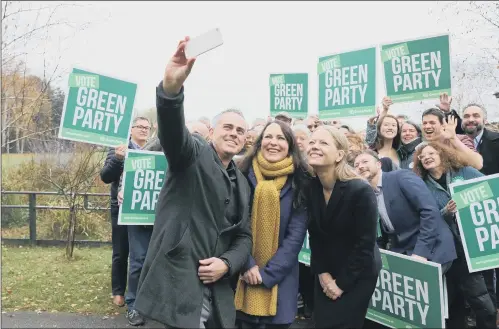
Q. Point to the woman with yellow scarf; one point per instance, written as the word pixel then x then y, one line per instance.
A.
pixel 266 293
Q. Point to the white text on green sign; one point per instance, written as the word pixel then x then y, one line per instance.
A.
pixel 99 110
pixel 288 97
pixel 346 85
pixel 417 71
pixel 402 295
pixel 147 184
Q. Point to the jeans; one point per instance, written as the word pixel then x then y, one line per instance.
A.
pixel 138 239
pixel 119 265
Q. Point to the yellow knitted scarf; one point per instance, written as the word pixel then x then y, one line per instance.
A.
pixel 265 219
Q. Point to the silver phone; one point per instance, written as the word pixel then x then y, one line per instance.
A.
pixel 203 43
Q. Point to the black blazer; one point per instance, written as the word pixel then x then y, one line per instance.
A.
pixel 489 150
pixel 343 235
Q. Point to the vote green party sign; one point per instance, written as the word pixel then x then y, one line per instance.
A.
pixel 477 202
pixel 98 109
pixel 289 93
pixel 304 255
pixel 417 69
pixel 143 177
pixel 347 84
pixel 409 293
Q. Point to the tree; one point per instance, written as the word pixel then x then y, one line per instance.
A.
pixel 474 30
pixel 26 29
pixel 72 177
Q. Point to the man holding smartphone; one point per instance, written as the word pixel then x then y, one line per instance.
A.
pixel 202 233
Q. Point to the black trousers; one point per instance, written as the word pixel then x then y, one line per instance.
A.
pixel 465 286
pixel 491 282
pixel 119 267
pixel 306 286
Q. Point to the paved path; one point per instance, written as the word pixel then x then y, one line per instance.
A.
pixel 73 320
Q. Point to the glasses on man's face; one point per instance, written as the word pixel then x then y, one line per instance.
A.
pixel 142 128
pixel 423 156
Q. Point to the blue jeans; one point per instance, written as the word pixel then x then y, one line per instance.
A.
pixel 138 241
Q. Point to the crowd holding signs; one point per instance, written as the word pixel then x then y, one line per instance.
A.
pixel 409 292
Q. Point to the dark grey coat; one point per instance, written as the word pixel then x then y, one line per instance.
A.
pixel 190 225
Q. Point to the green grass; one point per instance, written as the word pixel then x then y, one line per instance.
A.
pixel 42 279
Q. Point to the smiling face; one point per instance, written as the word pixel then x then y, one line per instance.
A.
pixel 322 150
pixel 367 166
pixel 431 127
pixel 389 128
pixel 473 120
pixel 274 147
pixel 430 158
pixel 409 133
pixel 140 131
pixel 228 135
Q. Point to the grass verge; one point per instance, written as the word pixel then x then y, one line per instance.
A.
pixel 42 279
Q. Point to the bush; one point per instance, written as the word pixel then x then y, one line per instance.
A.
pixel 52 223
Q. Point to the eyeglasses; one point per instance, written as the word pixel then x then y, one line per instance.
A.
pixel 142 128
pixel 424 156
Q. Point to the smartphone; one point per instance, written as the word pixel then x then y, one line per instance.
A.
pixel 203 43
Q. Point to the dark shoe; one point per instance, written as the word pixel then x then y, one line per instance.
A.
pixel 134 318
pixel 119 300
pixel 307 312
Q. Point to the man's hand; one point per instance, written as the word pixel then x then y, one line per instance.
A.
pixel 252 276
pixel 418 257
pixel 120 197
pixel 177 70
pixel 119 151
pixel 449 128
pixel 445 101
pixel 212 269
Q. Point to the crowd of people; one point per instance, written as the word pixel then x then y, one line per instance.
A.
pixel 239 199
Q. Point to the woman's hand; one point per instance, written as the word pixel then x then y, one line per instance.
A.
pixel 451 207
pixel 252 276
pixel 329 286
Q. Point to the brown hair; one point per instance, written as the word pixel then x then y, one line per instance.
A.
pixel 380 140
pixel 355 139
pixel 449 159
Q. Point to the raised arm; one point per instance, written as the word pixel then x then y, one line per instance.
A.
pixel 179 147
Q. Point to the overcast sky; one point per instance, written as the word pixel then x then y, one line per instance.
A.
pixel 133 41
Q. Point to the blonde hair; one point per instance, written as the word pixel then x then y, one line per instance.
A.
pixel 343 171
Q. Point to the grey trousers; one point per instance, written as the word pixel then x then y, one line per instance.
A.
pixel 206 309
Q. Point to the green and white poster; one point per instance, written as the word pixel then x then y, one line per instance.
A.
pixel 417 69
pixel 304 255
pixel 347 84
pixel 409 293
pixel 289 93
pixel 477 215
pixel 143 177
pixel 98 109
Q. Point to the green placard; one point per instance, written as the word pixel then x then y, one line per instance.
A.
pixel 304 255
pixel 143 179
pixel 478 219
pixel 289 93
pixel 98 109
pixel 408 294
pixel 418 69
pixel 347 84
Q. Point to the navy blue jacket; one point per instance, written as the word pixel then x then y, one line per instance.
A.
pixel 413 211
pixel 282 269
